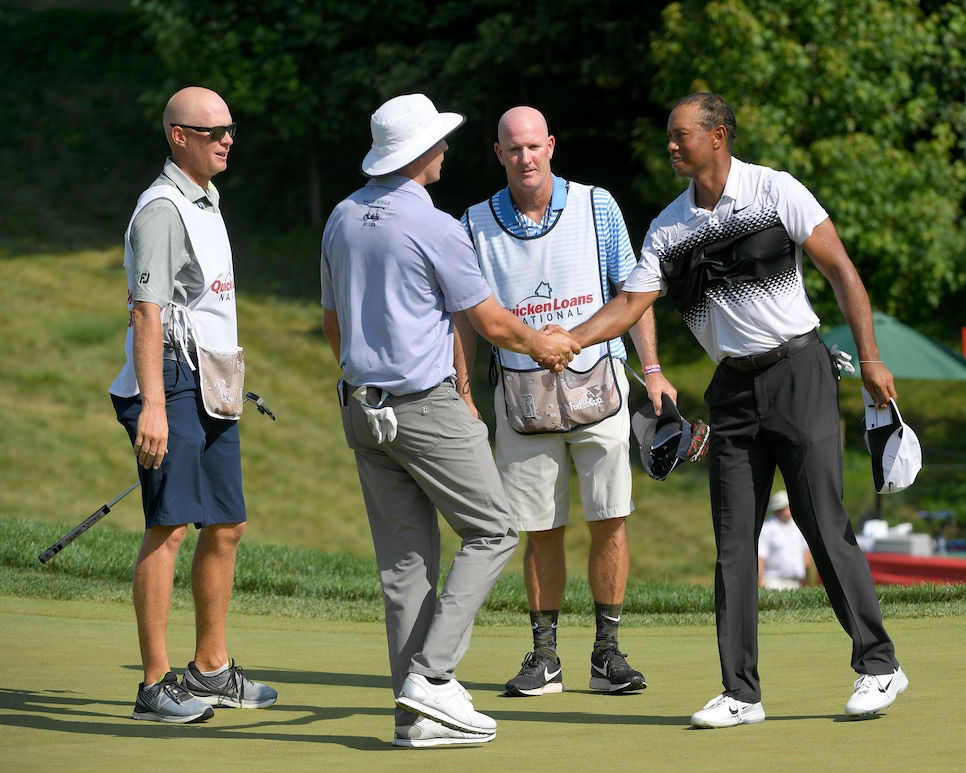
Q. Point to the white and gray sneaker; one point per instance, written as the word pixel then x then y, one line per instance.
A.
pixel 725 711
pixel 230 688
pixel 874 693
pixel 168 701
pixel 427 733
pixel 446 702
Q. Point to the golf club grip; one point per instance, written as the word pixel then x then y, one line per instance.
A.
pixel 73 534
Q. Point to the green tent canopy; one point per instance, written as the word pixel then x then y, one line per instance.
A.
pixel 905 352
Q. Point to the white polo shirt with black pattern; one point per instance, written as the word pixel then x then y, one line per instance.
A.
pixel 735 272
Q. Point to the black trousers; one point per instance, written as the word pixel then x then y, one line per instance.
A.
pixel 785 416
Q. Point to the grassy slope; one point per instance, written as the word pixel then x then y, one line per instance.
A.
pixel 62 454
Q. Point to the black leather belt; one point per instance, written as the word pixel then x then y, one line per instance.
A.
pixel 767 359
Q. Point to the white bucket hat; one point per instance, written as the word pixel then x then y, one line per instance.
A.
pixel 404 128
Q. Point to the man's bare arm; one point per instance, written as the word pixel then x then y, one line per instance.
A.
pixel 615 318
pixel 464 354
pixel 151 440
pixel 497 325
pixel 827 252
pixel 644 335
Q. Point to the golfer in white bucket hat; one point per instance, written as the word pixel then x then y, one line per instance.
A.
pixel 403 129
pixel 398 275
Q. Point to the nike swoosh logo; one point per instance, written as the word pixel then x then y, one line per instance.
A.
pixel 548 675
pixel 611 619
pixel 599 670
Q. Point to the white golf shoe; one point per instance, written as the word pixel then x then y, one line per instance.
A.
pixel 874 693
pixel 725 711
pixel 427 733
pixel 448 703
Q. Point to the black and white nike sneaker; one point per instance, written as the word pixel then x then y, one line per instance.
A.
pixel 539 675
pixel 610 671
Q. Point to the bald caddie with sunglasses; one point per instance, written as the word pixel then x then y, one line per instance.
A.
pixel 181 296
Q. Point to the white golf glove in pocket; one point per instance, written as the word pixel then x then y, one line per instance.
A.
pixel 380 418
pixel 842 360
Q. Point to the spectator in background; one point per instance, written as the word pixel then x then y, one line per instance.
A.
pixel 783 557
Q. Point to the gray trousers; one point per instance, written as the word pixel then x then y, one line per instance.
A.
pixel 786 416
pixel 439 461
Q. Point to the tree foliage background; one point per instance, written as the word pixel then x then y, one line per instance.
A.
pixel 862 100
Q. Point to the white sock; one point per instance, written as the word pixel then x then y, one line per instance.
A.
pixel 217 671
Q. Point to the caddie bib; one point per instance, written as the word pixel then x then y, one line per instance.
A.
pixel 553 278
pixel 213 318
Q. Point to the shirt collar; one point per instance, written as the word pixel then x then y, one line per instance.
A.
pixel 732 187
pixel 393 182
pixel 191 190
pixel 730 194
pixel 558 197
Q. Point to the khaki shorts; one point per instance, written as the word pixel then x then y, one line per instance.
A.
pixel 535 469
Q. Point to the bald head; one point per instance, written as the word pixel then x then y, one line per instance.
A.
pixel 200 132
pixel 524 148
pixel 195 106
pixel 521 119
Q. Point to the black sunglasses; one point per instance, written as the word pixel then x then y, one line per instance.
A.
pixel 215 132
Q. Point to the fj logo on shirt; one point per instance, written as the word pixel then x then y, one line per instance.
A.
pixel 144 278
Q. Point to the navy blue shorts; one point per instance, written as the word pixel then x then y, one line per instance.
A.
pixel 199 480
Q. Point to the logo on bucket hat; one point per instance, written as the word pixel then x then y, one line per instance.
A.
pixel 896 453
pixel 404 128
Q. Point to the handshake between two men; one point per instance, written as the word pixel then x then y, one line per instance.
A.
pixel 558 350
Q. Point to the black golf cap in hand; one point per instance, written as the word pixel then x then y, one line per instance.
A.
pixel 665 440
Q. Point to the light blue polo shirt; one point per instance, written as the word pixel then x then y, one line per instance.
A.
pixel 395 269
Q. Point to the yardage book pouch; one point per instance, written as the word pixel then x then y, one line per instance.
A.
pixel 221 374
pixel 539 401
pixel 222 378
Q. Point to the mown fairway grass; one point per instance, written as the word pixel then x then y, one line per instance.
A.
pixel 310 624
pixel 70 670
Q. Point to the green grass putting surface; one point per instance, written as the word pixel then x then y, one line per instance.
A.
pixel 70 671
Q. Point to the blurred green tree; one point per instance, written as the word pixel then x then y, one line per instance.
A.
pixel 312 72
pixel 862 101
